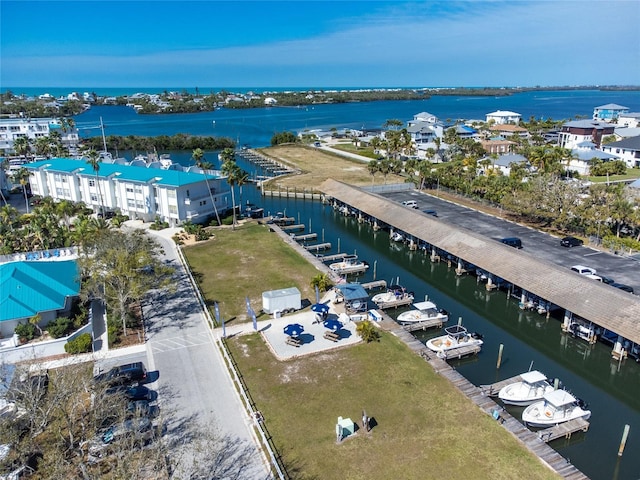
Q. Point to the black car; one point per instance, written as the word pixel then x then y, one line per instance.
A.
pixel 622 286
pixel 571 242
pixel 514 242
pixel 136 392
pixel 123 374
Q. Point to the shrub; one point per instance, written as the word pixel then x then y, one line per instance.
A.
pixel 59 327
pixel 26 331
pixel 368 331
pixel 227 220
pixel 80 344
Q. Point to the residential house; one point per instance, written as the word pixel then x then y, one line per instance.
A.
pixel 508 130
pixel 504 163
pixel 584 154
pixel 631 120
pixel 502 117
pixel 609 112
pixel 627 150
pixel 575 132
pixel 173 196
pixel 497 145
pixel 29 288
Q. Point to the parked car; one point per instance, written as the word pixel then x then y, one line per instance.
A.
pixel 136 392
pixel 514 242
pixel 582 270
pixel 410 203
pixel 433 213
pixel 622 286
pixel 142 408
pixel 140 430
pixel 123 374
pixel 571 242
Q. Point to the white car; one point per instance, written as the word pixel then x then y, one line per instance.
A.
pixel 410 203
pixel 582 270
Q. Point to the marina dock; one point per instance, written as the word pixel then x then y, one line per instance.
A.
pixel 374 285
pixel 332 258
pixel 431 323
pixel 493 389
pixel 289 228
pixel 564 429
pixel 461 351
pixel 318 246
pixel 303 238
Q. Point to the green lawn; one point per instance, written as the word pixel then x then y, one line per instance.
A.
pixel 632 174
pixel 425 427
pixel 245 262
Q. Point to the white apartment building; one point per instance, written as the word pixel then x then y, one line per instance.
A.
pixel 173 196
pixel 33 128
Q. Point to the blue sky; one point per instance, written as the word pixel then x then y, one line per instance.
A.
pixel 245 44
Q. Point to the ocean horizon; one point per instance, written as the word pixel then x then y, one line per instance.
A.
pixel 125 91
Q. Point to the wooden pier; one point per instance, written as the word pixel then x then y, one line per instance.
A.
pixel 493 389
pixel 331 258
pixel 459 352
pixel 431 323
pixel 374 285
pixel 318 246
pixel 289 228
pixel 303 238
pixel 280 221
pixel 564 429
pixel 531 440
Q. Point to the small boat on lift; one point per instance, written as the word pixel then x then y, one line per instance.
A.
pixel 456 336
pixel 531 388
pixel 421 312
pixel 396 295
pixel 556 407
pixel 397 237
pixel 349 265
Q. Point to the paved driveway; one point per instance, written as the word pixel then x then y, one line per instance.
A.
pixel 194 386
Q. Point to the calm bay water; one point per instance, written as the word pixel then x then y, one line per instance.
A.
pixel 612 391
pixel 256 126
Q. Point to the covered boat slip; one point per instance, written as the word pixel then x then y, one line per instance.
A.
pixel 596 302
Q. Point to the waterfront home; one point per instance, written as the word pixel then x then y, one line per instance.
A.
pixel 584 154
pixel 509 130
pixel 631 119
pixel 30 288
pixel 609 112
pixel 33 128
pixel 172 196
pixel 575 132
pixel 501 117
pixel 627 150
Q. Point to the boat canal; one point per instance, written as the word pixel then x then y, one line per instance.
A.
pixel 611 389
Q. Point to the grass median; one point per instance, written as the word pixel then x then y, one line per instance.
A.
pixel 425 427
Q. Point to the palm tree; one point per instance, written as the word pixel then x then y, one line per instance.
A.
pixel 22 146
pixel 93 159
pixel 322 281
pixel 374 167
pixel 368 331
pixel 22 176
pixel 201 163
pixel 234 174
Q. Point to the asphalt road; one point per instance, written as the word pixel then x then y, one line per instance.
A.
pixel 542 245
pixel 194 387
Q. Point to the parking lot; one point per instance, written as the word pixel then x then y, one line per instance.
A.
pixel 541 245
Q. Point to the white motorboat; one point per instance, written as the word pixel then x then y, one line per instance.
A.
pixel 556 407
pixel 397 237
pixel 423 311
pixel 349 264
pixel 457 336
pixel 529 389
pixel 394 296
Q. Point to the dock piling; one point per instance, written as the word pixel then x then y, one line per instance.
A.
pixel 623 442
pixel 500 355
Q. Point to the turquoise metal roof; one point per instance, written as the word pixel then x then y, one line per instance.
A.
pixel 27 288
pixel 127 173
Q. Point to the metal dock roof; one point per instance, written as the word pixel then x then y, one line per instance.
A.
pixel 608 307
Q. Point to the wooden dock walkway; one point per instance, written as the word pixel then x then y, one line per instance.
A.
pixel 431 323
pixel 331 258
pixel 308 236
pixel 318 246
pixel 375 284
pixel 564 429
pixel 289 228
pixel 283 221
pixel 529 439
pixel 493 389
pixel 460 351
